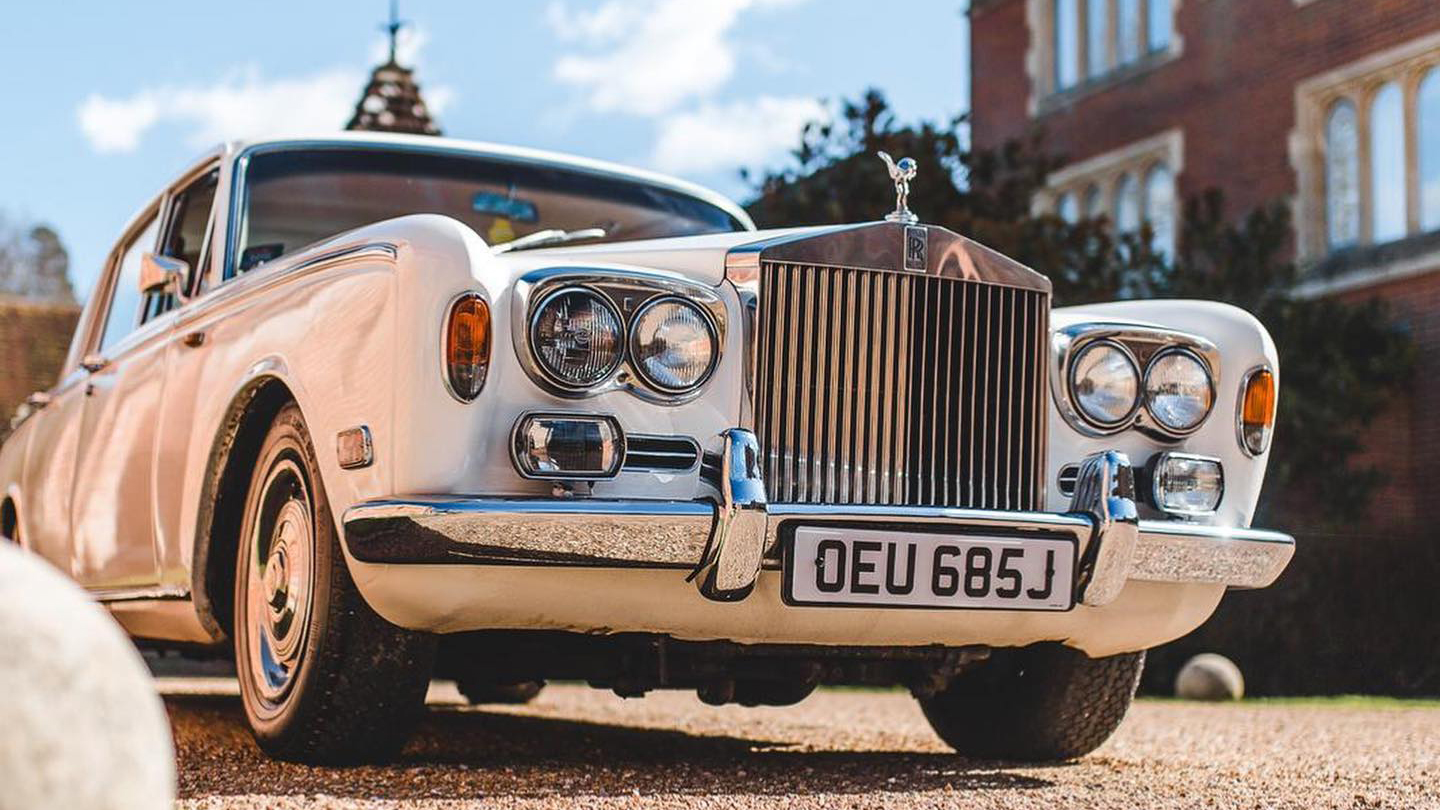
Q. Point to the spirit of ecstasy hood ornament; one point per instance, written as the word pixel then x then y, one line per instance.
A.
pixel 902 173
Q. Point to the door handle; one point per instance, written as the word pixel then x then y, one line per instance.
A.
pixel 94 362
pixel 194 339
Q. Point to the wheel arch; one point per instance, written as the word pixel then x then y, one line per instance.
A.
pixel 233 452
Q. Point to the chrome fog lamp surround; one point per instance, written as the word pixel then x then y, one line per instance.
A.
pixel 1179 390
pixel 577 337
pixel 1186 484
pixel 1106 389
pixel 673 345
pixel 560 446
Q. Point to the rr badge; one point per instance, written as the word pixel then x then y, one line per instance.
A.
pixel 916 241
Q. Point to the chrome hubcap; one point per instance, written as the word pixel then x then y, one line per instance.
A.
pixel 278 593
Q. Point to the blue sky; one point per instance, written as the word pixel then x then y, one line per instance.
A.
pixel 108 100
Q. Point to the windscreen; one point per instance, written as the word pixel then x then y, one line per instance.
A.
pixel 297 197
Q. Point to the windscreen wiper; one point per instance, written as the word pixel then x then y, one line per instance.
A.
pixel 551 236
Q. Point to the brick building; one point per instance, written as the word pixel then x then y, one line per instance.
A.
pixel 34 337
pixel 1331 106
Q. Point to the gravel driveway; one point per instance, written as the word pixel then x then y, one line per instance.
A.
pixel 576 747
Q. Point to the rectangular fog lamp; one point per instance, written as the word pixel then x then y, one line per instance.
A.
pixel 554 446
pixel 1186 484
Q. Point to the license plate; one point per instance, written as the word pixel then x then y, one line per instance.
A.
pixel 876 568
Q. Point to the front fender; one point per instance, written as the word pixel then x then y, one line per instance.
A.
pixel 1243 344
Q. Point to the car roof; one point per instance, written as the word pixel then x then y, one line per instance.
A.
pixel 513 153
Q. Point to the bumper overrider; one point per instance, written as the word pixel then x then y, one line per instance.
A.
pixel 724 543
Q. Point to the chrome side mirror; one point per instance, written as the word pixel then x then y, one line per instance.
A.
pixel 163 274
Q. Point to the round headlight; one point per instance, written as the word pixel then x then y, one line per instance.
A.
pixel 1105 384
pixel 672 344
pixel 1178 390
pixel 576 337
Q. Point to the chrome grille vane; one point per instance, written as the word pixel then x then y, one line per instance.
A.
pixel 900 389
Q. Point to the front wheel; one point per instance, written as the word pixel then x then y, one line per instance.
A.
pixel 323 678
pixel 1037 704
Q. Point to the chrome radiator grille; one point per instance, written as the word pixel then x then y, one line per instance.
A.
pixel 899 389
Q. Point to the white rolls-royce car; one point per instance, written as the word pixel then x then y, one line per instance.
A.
pixel 370 409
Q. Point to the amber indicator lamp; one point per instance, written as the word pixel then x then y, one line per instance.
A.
pixel 1257 411
pixel 467 346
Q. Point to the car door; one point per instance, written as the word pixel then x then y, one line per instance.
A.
pixel 188 236
pixel 112 508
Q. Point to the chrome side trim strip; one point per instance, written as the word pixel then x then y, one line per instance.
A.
pixel 139 593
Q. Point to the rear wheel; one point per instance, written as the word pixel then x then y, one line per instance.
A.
pixel 323 678
pixel 1040 703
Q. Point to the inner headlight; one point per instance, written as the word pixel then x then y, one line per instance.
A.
pixel 1178 390
pixel 672 344
pixel 1105 384
pixel 576 337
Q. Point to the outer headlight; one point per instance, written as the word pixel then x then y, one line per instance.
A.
pixel 672 345
pixel 1178 390
pixel 576 337
pixel 1105 384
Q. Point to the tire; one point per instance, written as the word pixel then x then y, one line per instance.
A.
pixel 342 685
pixel 1038 704
pixel 512 694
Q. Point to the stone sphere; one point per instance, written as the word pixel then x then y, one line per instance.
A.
pixel 83 726
pixel 1209 676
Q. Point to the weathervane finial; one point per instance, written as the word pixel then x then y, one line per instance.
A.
pixel 393 27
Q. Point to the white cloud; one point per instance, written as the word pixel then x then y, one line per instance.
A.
pixel 648 57
pixel 241 104
pixel 113 125
pixel 740 133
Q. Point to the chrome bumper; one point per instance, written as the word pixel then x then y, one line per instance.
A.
pixel 723 544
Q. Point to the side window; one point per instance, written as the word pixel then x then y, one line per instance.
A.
pixel 122 316
pixel 185 233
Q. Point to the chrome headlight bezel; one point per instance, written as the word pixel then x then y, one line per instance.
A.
pixel 604 303
pixel 1144 343
pixel 629 291
pixel 1075 396
pixel 1161 424
pixel 633 347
